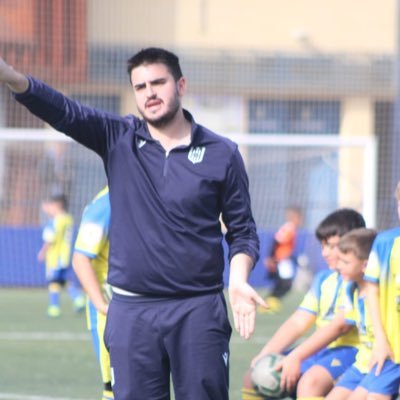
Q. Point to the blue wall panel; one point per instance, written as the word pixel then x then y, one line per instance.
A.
pixel 19 265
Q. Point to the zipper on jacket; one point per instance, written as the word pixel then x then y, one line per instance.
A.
pixel 165 169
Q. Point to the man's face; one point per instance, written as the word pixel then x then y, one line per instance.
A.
pixel 350 267
pixel 330 251
pixel 158 95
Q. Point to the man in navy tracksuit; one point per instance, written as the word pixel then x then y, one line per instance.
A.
pixel 170 181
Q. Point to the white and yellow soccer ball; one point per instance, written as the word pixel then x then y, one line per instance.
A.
pixel 265 378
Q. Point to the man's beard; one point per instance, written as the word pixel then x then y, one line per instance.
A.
pixel 164 120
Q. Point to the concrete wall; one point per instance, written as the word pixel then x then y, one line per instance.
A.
pixel 363 26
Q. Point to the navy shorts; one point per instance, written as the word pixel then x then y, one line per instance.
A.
pixel 153 339
pixel 57 275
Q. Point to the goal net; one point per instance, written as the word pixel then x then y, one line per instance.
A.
pixel 316 173
pixel 307 119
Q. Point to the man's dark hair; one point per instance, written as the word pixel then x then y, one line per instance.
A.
pixel 155 55
pixel 338 223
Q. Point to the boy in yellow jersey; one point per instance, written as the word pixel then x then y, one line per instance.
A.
pixel 90 262
pixel 354 250
pixel 317 308
pixel 56 252
pixel 383 294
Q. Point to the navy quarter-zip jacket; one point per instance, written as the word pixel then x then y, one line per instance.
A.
pixel 165 233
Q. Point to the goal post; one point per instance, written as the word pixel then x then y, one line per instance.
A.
pixel 351 159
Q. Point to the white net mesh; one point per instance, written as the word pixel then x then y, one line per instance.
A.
pixel 314 116
pixel 310 172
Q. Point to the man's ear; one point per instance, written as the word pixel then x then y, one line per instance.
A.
pixel 181 86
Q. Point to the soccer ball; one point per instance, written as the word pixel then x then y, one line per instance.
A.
pixel 264 377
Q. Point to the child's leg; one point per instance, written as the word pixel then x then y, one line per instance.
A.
pixel 328 366
pixel 384 386
pixel 74 289
pixel 339 393
pixel 53 309
pixel 348 386
pixel 317 381
pixel 359 394
pixel 375 396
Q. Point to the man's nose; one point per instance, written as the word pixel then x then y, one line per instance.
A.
pixel 150 91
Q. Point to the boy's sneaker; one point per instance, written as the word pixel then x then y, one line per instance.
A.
pixel 53 311
pixel 107 395
pixel 79 304
pixel 275 306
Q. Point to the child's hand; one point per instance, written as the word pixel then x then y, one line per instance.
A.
pixel 291 371
pixel 380 353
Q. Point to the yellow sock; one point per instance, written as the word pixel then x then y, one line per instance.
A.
pixel 251 394
pixel 311 398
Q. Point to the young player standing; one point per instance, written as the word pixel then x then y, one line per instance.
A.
pixel 281 263
pixel 90 262
pixel 317 308
pixel 56 253
pixel 170 181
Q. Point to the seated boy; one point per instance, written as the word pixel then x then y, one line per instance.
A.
pixel 318 308
pixel 354 250
pixel 359 382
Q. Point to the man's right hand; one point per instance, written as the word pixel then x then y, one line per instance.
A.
pixel 16 81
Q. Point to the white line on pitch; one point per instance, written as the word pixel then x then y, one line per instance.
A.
pixel 12 396
pixel 71 336
pixel 45 336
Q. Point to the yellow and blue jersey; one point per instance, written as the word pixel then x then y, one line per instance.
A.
pixel 92 239
pixel 356 313
pixel 383 268
pixel 323 300
pixel 58 234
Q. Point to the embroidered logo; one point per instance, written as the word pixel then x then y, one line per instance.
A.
pixel 225 358
pixel 141 143
pixel 196 154
pixel 335 363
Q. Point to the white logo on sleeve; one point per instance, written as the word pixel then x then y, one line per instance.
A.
pixel 91 234
pixel 225 358
pixel 196 154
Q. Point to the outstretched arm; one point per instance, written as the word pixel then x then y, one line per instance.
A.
pixel 15 81
pixel 93 128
